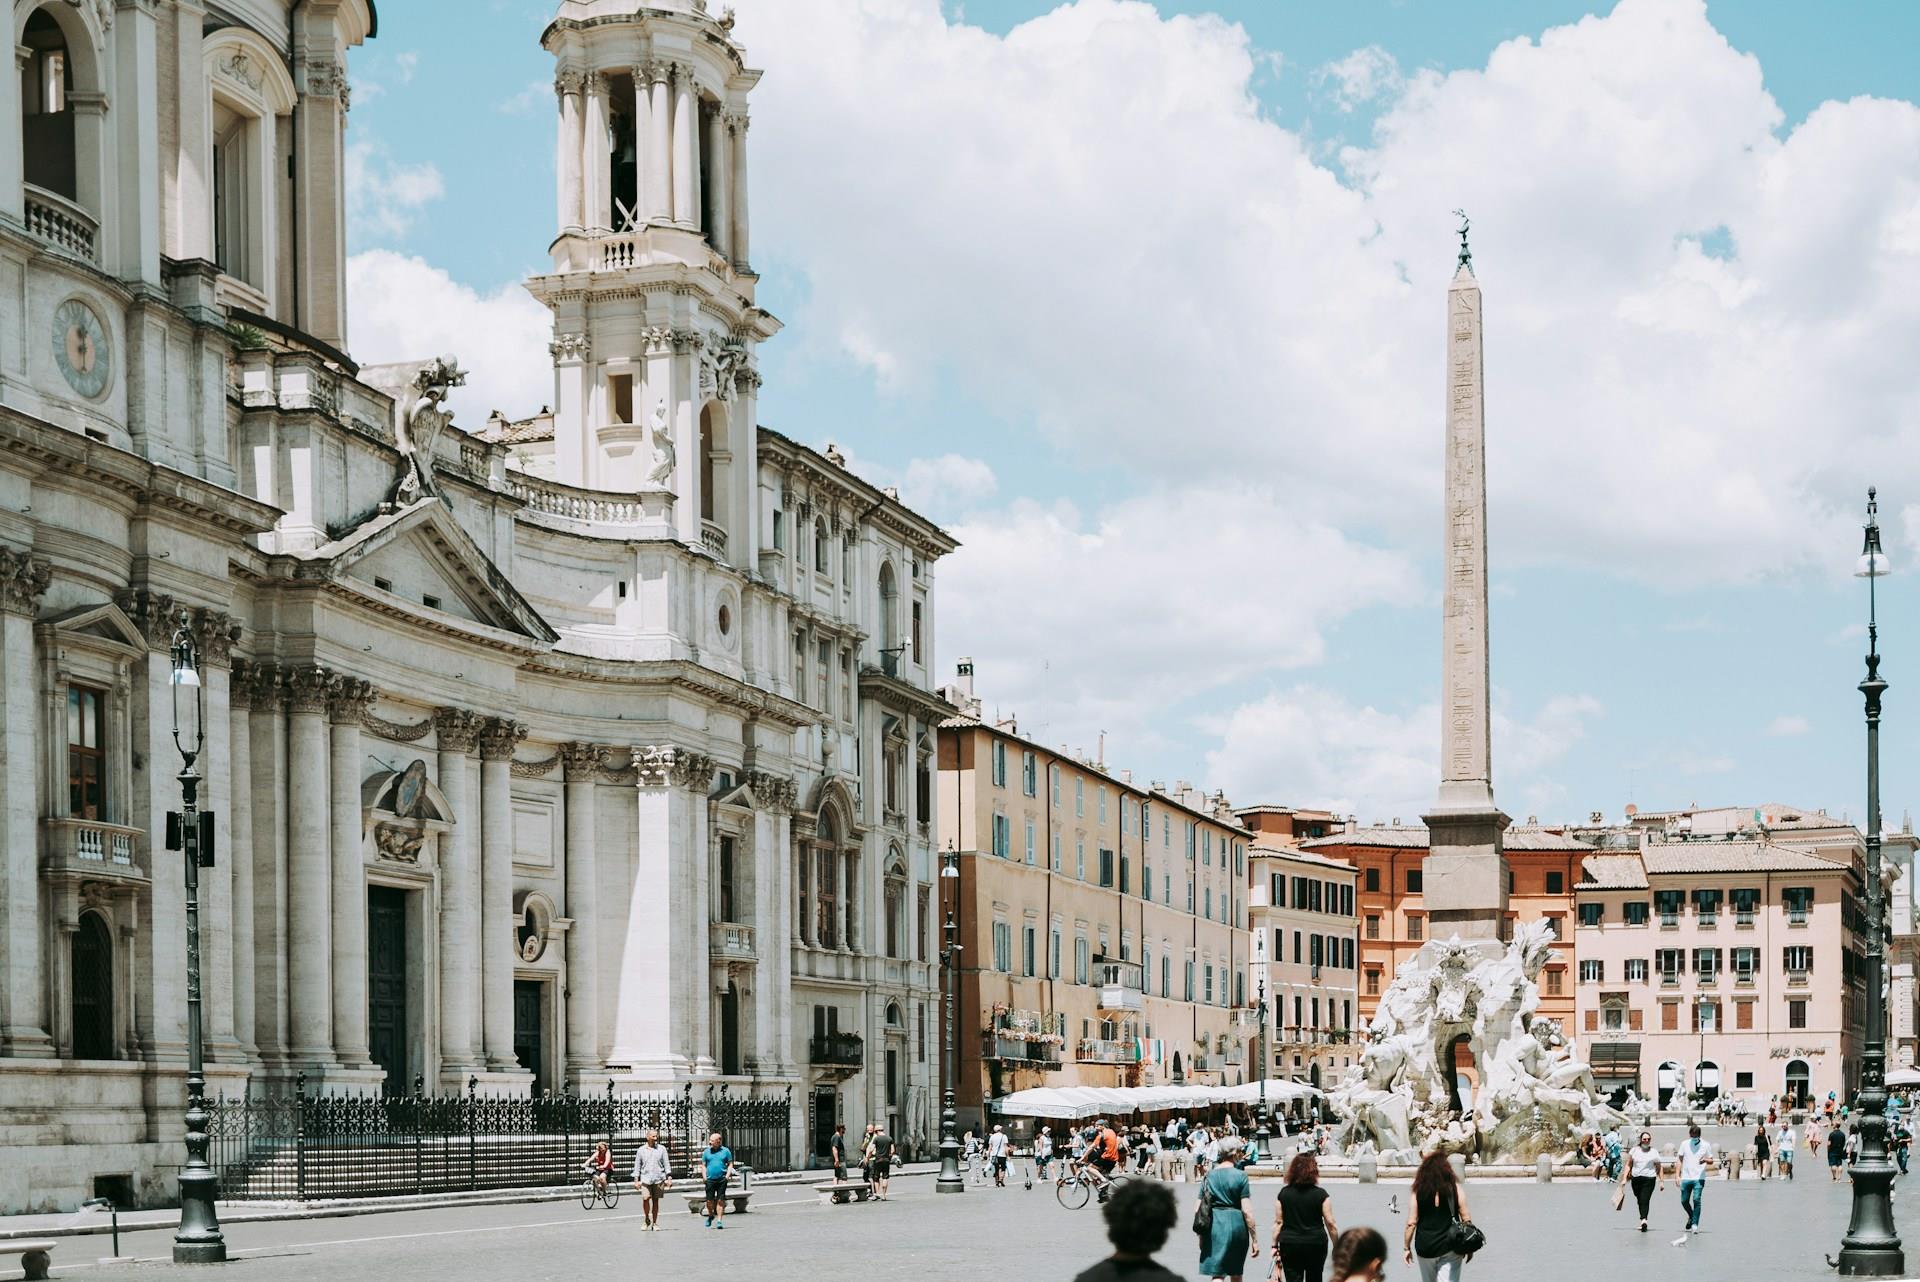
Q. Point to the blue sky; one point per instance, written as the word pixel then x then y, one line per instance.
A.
pixel 1144 303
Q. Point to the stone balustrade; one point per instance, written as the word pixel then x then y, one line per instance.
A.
pixel 57 220
pixel 114 851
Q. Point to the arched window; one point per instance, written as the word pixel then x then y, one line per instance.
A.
pixel 893 1015
pixel 709 476
pixel 821 559
pixel 826 880
pixel 62 128
pixel 896 904
pixel 250 90
pixel 93 989
pixel 889 615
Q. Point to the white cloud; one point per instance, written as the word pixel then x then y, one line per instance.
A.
pixel 400 307
pixel 384 195
pixel 1786 726
pixel 406 64
pixel 948 484
pixel 1197 291
pixel 537 95
pixel 1309 746
pixel 1360 77
pixel 1087 623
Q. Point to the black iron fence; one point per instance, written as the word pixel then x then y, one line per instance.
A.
pixel 310 1147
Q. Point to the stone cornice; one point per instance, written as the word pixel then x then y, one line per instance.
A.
pixel 151 486
pixel 681 674
pixel 23 580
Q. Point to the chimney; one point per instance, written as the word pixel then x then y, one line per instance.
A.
pixel 963 681
pixel 1101 758
pixel 1352 824
pixel 1126 777
pixel 1596 818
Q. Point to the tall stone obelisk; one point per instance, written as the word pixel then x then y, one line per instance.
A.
pixel 1465 881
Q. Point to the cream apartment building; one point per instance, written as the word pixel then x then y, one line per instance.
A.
pixel 1304 959
pixel 1103 925
pixel 1719 966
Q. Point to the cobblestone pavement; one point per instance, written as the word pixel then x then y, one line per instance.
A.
pixel 1754 1231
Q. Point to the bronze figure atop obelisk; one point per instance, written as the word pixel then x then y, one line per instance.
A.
pixel 1465 881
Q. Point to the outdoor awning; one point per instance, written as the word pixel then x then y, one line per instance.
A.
pixel 1073 1103
pixel 1903 1077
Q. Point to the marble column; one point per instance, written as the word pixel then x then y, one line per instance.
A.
pixel 497 738
pixel 596 158
pixel 568 150
pixel 457 731
pixel 653 1028
pixel 309 869
pixel 719 213
pixel 1465 874
pixel 737 195
pixel 267 766
pixel 849 910
pixel 660 146
pixel 237 866
pixel 693 773
pixel 351 699
pixel 23 1021
pixel 778 951
pixel 581 762
pixel 643 181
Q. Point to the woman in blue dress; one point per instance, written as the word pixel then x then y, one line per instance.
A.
pixel 1223 1253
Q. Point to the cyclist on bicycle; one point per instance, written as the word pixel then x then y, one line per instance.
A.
pixel 1104 1153
pixel 599 1165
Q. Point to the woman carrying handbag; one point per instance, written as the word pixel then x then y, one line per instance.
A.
pixel 1440 1232
pixel 1223 1220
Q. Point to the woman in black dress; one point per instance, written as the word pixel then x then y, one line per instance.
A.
pixel 1303 1222
pixel 1438 1200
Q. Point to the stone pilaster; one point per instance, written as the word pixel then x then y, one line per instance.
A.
pixel 662 974
pixel 347 705
pixel 686 161
pixel 660 146
pixel 23 1018
pixel 720 211
pixel 266 766
pixel 309 868
pixel 497 740
pixel 596 161
pixel 737 125
pixel 581 762
pixel 236 869
pixel 567 150
pixel 457 732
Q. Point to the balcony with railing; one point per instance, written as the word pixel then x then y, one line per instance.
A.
pixel 837 1050
pixel 1016 1051
pixel 1094 1050
pixel 582 511
pixel 96 850
pixel 1120 983
pixel 713 538
pixel 60 222
pixel 730 941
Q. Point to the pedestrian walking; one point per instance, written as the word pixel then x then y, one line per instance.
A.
pixel 1836 1152
pixel 1360 1255
pixel 1229 1238
pixel 1043 1151
pixel 1783 1139
pixel 717 1160
pixel 652 1177
pixel 997 1150
pixel 837 1149
pixel 1303 1226
pixel 1438 1200
pixel 1616 1153
pixel 1644 1173
pixel 879 1161
pixel 1762 1150
pixel 1696 1159
pixel 1139 1216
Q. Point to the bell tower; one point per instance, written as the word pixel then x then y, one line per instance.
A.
pixel 655 328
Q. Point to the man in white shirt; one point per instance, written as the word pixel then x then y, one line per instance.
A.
pixel 1696 1159
pixel 997 1155
pixel 652 1177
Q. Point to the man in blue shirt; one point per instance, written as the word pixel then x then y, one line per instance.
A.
pixel 719 1165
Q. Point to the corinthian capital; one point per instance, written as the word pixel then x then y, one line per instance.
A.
pixel 653 762
pixel 498 737
pixel 260 684
pixel 350 700
pixel 581 761
pixel 308 688
pixel 156 614
pixel 23 580
pixel 214 632
pixel 456 729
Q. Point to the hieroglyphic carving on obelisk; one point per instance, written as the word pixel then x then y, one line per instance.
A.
pixel 1465 885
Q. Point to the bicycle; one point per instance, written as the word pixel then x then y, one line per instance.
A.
pixel 592 1191
pixel 1079 1181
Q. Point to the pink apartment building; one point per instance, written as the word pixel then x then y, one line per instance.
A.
pixel 1719 967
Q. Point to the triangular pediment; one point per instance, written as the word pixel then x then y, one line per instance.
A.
pixel 105 622
pixel 420 557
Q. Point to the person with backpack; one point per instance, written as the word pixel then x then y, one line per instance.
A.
pixel 1224 1219
pixel 1437 1204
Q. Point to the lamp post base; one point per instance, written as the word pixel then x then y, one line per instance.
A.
pixel 199 1252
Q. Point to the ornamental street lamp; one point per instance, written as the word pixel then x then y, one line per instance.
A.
pixel 1261 1135
pixel 950 1180
pixel 1871 1247
pixel 198 1240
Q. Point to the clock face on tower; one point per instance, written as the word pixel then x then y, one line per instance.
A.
pixel 81 348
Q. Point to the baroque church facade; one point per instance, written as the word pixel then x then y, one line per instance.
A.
pixel 589 747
